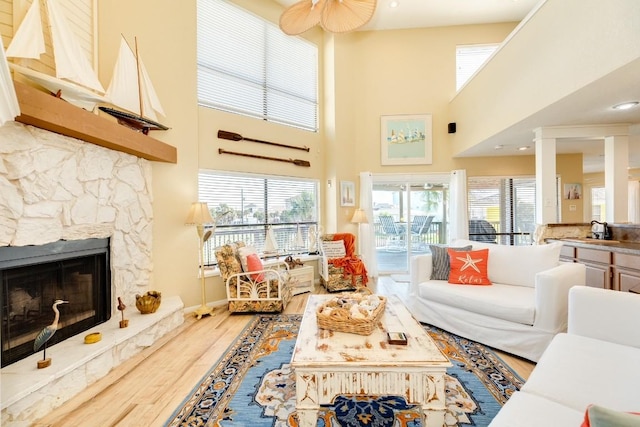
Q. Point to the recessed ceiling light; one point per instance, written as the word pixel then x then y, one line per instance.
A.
pixel 523 148
pixel 625 105
pixel 498 147
pixel 393 4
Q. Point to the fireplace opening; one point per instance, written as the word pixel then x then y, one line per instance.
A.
pixel 33 277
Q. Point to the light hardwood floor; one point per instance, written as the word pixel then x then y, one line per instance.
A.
pixel 146 389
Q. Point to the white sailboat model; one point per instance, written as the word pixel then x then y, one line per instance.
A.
pixel 75 80
pixel 270 244
pixel 132 90
pixel 9 106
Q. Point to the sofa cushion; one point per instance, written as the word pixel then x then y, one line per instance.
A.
pixel 468 267
pixel 577 371
pixel 517 265
pixel 529 410
pixel 599 416
pixel 510 303
pixel 440 260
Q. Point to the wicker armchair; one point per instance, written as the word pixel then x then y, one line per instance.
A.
pixel 266 290
pixel 341 273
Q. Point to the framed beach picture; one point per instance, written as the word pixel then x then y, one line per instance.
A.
pixel 347 193
pixel 406 140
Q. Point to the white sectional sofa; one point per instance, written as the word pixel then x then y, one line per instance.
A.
pixel 596 362
pixel 519 313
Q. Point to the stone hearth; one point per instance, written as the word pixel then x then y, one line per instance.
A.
pixel 59 188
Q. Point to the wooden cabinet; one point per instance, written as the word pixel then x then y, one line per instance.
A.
pixel 598 263
pixel 568 253
pixel 626 271
pixel 606 267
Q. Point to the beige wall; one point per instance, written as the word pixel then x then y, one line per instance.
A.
pixel 363 75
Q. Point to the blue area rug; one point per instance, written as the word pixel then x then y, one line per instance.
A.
pixel 253 385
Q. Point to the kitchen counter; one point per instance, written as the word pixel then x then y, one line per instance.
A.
pixel 620 246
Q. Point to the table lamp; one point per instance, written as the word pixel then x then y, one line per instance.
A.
pixel 359 217
pixel 199 215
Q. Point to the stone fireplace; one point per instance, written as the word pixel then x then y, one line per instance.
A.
pixel 56 188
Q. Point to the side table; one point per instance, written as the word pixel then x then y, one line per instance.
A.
pixel 305 277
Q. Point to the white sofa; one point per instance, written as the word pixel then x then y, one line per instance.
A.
pixel 519 313
pixel 595 362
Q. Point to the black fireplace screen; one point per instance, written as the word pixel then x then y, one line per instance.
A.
pixel 33 277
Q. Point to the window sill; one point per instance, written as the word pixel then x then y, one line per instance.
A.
pixel 215 272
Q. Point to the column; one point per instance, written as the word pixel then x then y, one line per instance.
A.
pixel 616 163
pixel 546 192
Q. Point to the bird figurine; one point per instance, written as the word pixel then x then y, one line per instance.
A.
pixel 46 334
pixel 123 323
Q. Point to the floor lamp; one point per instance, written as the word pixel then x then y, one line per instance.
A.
pixel 199 215
pixel 359 217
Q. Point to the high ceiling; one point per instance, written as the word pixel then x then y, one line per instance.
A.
pixel 591 105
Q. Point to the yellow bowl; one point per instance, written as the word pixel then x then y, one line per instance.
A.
pixel 93 338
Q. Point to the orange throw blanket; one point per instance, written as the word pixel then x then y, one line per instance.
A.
pixel 350 263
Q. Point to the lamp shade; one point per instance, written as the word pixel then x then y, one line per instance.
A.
pixel 199 214
pixel 360 217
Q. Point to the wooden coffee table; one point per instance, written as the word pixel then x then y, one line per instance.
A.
pixel 327 364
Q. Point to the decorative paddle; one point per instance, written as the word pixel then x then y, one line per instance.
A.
pixel 231 136
pixel 296 162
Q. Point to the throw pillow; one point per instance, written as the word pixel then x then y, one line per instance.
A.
pixel 469 267
pixel 255 264
pixel 243 253
pixel 598 416
pixel 440 261
pixel 334 249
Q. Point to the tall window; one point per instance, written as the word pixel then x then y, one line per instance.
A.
pixel 247 65
pixel 506 205
pixel 245 205
pixel 469 59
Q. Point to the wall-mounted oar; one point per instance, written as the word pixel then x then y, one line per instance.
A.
pixel 231 136
pixel 296 162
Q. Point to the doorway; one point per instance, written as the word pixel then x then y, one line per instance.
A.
pixel 409 214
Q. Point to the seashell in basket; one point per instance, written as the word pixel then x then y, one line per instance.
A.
pixel 344 313
pixel 149 302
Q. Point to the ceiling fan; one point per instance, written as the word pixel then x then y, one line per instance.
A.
pixel 336 16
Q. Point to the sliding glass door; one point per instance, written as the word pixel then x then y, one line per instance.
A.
pixel 409 213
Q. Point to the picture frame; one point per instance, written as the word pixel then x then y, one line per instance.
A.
pixel 572 191
pixel 406 139
pixel 347 193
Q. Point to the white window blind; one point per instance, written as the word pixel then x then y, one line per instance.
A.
pixel 508 204
pixel 246 65
pixel 254 202
pixel 469 59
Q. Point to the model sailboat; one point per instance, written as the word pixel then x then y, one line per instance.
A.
pixel 75 80
pixel 132 90
pixel 270 243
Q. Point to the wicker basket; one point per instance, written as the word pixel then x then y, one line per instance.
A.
pixel 340 319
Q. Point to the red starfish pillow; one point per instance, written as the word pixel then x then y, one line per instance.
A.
pixel 469 267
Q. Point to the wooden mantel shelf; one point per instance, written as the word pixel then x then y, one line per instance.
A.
pixel 48 112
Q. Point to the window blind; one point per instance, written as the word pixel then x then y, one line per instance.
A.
pixel 509 204
pixel 250 203
pixel 246 65
pixel 469 59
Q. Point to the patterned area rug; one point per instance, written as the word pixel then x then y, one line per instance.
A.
pixel 253 385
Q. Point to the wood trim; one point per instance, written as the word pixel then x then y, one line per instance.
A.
pixel 42 110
